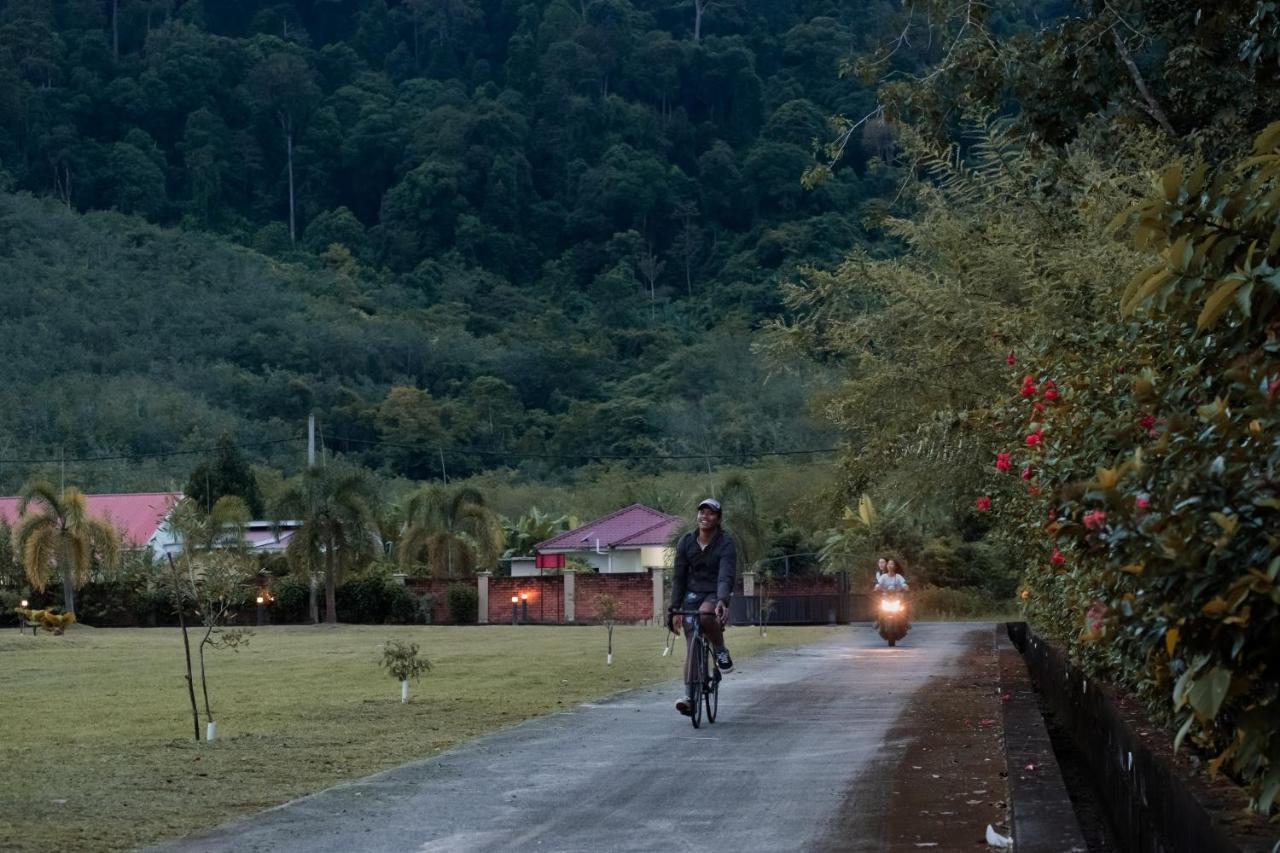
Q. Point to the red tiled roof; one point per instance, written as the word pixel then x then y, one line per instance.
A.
pixel 630 526
pixel 136 515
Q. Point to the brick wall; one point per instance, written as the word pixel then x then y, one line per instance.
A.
pixel 546 598
pixel 437 588
pixel 634 592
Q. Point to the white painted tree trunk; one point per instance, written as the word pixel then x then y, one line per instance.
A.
pixel 609 659
pixel 404 692
pixel 211 732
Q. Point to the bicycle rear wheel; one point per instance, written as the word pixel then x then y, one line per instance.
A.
pixel 711 693
pixel 698 663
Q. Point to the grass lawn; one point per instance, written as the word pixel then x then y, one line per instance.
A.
pixel 95 726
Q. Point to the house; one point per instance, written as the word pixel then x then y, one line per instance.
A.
pixel 139 516
pixel 636 538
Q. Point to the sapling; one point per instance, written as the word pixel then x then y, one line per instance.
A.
pixel 607 610
pixel 402 662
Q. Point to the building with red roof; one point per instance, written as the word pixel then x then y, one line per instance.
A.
pixel 141 519
pixel 139 516
pixel 635 538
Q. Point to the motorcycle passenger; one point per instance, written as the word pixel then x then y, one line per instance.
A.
pixel 891 580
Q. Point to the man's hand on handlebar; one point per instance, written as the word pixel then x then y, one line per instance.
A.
pixel 722 612
pixel 674 622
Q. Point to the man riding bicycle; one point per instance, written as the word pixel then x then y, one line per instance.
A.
pixel 703 581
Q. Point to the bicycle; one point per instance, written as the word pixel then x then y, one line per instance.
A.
pixel 704 676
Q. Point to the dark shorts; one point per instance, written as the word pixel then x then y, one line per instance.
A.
pixel 694 600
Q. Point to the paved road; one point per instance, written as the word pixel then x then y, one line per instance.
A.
pixel 801 736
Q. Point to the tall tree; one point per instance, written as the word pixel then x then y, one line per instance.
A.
pixel 226 474
pixel 454 530
pixel 56 535
pixel 337 525
pixel 282 85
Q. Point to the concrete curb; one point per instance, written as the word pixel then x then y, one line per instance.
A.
pixel 1041 814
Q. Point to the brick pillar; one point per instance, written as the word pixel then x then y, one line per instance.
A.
pixel 569 579
pixel 659 600
pixel 482 588
pixel 748 583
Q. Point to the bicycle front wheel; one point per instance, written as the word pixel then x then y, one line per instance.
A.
pixel 698 663
pixel 712 692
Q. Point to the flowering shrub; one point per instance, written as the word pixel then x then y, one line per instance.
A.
pixel 1161 470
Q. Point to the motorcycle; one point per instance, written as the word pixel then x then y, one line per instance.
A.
pixel 892 623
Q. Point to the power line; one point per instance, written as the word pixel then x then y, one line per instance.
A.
pixel 519 454
pixel 156 455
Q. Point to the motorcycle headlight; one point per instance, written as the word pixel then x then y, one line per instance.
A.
pixel 890 605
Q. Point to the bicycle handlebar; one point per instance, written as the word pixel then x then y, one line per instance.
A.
pixel 691 612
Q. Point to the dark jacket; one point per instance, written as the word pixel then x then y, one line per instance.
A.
pixel 704 570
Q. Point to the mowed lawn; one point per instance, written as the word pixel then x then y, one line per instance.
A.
pixel 96 742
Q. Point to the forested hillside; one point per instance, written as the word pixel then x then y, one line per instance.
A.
pixel 536 228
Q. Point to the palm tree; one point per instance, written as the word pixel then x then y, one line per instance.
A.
pixel 531 528
pixel 453 529
pixel 337 526
pixel 743 518
pixel 56 534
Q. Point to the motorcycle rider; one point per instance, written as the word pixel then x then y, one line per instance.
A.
pixel 891 582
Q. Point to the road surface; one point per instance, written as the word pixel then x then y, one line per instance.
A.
pixel 799 759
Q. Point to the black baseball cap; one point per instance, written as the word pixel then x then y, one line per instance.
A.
pixel 711 502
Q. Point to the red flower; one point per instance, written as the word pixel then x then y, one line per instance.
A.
pixel 1095 519
pixel 1142 501
pixel 1028 391
pixel 1034 438
pixel 1028 380
pixel 1033 489
pixel 1051 393
pixel 1002 461
pixel 1272 387
pixel 1058 557
pixel 1147 421
pixel 983 503
pixel 1027 472
pixel 1037 408
pixel 1009 359
pixel 1094 615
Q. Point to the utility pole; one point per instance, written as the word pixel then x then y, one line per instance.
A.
pixel 312 603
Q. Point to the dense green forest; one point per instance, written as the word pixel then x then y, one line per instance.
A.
pixel 539 229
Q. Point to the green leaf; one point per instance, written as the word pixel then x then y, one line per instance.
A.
pixel 1219 301
pixel 1182 732
pixel 1209 690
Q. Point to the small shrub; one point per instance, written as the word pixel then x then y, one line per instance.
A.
pixel 425 606
pixel 402 662
pixel 464 604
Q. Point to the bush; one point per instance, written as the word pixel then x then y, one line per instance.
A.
pixel 372 599
pixel 464 604
pixel 402 605
pixel 8 601
pixel 108 604
pixel 152 608
pixel 937 601
pixel 290 605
